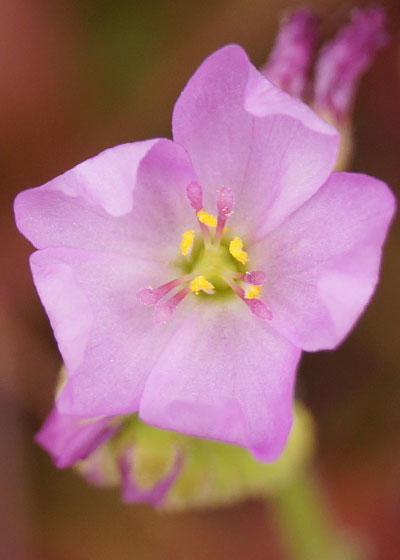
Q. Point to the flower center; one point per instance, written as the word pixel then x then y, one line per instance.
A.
pixel 214 264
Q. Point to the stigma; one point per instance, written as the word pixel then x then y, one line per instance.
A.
pixel 213 263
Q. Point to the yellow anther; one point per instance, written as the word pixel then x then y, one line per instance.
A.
pixel 236 250
pixel 253 291
pixel 187 242
pixel 201 283
pixel 206 218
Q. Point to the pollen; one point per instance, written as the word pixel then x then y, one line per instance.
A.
pixel 206 218
pixel 253 291
pixel 187 242
pixel 200 283
pixel 236 250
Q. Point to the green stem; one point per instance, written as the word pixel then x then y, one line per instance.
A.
pixel 306 525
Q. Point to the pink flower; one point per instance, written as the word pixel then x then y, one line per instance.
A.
pixel 212 347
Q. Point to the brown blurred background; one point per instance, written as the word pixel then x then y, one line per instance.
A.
pixel 76 77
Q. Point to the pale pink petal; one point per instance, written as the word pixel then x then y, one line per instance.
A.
pixel 128 199
pixel 108 340
pixel 69 439
pixel 224 375
pixel 246 134
pixel 322 263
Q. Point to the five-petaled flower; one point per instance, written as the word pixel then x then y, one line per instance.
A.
pixel 183 278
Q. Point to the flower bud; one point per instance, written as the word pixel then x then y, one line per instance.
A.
pixel 343 60
pixel 288 64
pixel 176 472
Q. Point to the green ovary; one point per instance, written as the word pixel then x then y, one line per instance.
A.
pixel 215 264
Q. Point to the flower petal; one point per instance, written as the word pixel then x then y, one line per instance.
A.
pixel 108 340
pixel 246 134
pixel 322 263
pixel 127 199
pixel 224 375
pixel 69 438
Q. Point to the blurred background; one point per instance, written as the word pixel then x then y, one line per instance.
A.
pixel 78 76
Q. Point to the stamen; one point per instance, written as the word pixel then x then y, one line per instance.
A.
pixel 163 311
pixel 150 296
pixel 206 218
pixel 212 258
pixel 201 283
pixel 256 306
pixel 195 195
pixel 187 242
pixel 236 250
pixel 225 206
pixel 235 287
pixel 253 291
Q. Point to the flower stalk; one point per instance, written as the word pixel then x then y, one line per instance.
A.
pixel 306 524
